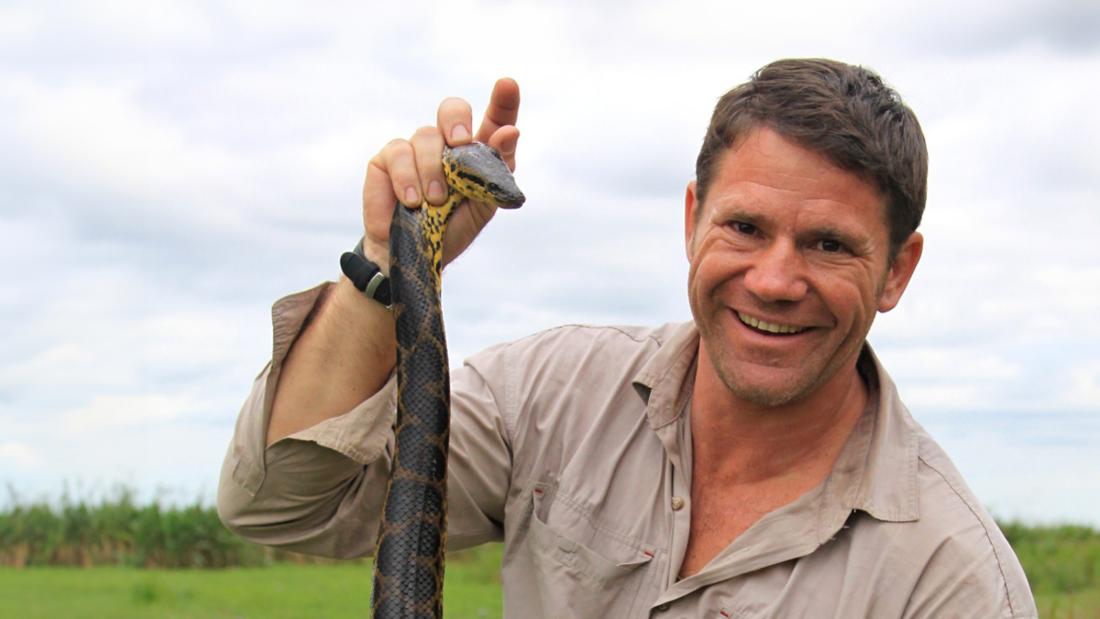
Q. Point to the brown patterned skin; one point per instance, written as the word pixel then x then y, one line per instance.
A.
pixel 408 575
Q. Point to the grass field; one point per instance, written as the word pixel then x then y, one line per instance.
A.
pixel 283 590
pixel 286 590
pixel 1078 605
pixel 116 558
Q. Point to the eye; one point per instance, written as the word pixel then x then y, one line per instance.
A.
pixel 494 188
pixel 831 246
pixel 743 228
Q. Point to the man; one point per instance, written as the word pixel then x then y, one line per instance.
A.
pixel 754 462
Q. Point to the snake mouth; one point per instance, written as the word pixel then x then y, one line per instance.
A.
pixel 507 199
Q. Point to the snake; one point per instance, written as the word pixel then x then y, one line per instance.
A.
pixel 409 555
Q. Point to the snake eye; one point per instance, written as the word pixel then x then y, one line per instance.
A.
pixel 493 188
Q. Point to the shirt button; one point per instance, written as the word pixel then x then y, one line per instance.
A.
pixel 677 503
pixel 663 607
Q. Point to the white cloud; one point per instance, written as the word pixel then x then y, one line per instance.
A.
pixel 19 456
pixel 100 139
pixel 170 168
pixel 953 365
pixel 138 23
pixel 1083 388
pixel 957 377
pixel 106 413
pixel 18 24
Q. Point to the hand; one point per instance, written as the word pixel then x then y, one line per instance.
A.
pixel 410 170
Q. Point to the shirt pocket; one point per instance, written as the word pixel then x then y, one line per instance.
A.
pixel 581 570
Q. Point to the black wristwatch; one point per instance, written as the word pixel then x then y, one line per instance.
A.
pixel 366 276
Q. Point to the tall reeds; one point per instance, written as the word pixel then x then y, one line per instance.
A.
pixel 117 531
pixel 1057 558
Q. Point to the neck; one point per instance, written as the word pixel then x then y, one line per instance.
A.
pixel 746 443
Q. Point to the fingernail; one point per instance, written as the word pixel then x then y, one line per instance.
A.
pixel 411 198
pixel 435 191
pixel 460 132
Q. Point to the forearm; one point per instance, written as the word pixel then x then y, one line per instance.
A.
pixel 343 356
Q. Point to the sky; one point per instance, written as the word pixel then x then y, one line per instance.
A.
pixel 169 169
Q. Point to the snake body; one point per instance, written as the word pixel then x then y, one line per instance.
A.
pixel 408 574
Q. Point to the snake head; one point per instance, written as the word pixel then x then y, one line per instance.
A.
pixel 478 172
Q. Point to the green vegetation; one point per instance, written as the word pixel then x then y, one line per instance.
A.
pixel 121 538
pixel 1062 564
pixel 280 590
pixel 116 531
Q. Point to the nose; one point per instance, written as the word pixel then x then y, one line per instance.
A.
pixel 777 274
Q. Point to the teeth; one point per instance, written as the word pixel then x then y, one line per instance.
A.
pixel 768 326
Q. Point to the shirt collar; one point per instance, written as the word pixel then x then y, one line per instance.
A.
pixel 886 440
pixel 876 471
pixel 663 382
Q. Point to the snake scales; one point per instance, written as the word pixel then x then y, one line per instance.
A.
pixel 408 574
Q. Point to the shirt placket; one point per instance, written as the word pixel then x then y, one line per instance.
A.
pixel 675 437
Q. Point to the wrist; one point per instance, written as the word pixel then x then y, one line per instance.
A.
pixel 379 254
pixel 366 276
pixel 351 307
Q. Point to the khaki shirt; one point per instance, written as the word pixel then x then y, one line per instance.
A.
pixel 573 446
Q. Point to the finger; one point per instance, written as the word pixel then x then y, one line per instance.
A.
pixel 378 203
pixel 399 162
pixel 454 119
pixel 427 144
pixel 389 172
pixel 503 108
pixel 505 140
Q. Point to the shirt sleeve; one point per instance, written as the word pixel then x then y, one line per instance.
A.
pixel 320 490
pixel 968 580
pixel 970 571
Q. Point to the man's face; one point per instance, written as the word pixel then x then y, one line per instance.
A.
pixel 789 263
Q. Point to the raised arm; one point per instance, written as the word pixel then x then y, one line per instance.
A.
pixel 346 353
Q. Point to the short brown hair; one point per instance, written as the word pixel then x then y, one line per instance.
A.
pixel 845 113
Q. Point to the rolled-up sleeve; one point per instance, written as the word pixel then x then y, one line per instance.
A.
pixel 320 490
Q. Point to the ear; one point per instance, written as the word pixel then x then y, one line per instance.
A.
pixel 690 204
pixel 901 271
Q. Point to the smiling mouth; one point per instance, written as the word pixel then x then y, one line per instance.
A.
pixel 769 327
